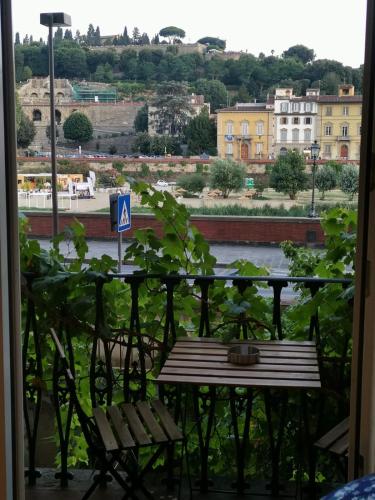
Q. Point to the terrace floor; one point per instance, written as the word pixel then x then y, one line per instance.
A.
pixel 48 488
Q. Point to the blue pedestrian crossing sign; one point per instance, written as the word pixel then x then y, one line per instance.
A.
pixel 123 213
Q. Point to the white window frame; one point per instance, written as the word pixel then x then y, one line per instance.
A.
pixel 295 135
pixel 259 148
pixel 229 128
pixel 284 135
pixel 328 111
pixel 295 120
pixel 284 107
pixel 260 128
pixel 326 128
pixel 345 130
pixel 308 107
pixel 229 149
pixel 245 128
pixel 308 120
pixel 328 149
pixel 285 122
pixel 296 106
pixel 307 135
pixel 345 110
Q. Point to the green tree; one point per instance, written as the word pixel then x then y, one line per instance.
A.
pixel 349 180
pixel 136 36
pixel 200 134
pixel 192 183
pixel 17 39
pixel 326 180
pixel 227 175
pixel 172 108
pixel 27 73
pixel 212 41
pixel 78 128
pixel 25 132
pixel 214 91
pixel 141 119
pixel 142 143
pixel 301 52
pixel 288 174
pixel 172 32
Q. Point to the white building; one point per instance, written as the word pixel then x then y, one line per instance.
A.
pixel 295 119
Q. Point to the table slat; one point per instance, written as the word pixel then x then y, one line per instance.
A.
pixel 238 382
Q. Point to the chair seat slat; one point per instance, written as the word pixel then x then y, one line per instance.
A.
pixel 121 428
pixel 167 421
pixel 136 425
pixel 105 430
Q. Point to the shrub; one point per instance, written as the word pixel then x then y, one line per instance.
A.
pixel 326 179
pixel 193 183
pixel 227 175
pixel 112 149
pixel 260 185
pixel 118 165
pixel 349 180
pixel 145 170
pixel 199 168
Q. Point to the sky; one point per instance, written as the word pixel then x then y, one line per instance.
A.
pixel 335 29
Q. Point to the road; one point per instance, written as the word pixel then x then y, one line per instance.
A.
pixel 270 257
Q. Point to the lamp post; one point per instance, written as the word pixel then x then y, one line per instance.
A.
pixel 52 20
pixel 314 148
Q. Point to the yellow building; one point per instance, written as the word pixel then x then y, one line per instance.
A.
pixel 339 124
pixel 245 131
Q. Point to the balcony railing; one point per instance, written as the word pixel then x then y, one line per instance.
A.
pixel 102 335
pixel 343 137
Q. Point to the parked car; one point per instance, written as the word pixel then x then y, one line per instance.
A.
pixel 162 183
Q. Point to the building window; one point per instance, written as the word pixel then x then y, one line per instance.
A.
pixel 284 107
pixel 345 110
pixel 296 106
pixel 283 135
pixel 308 107
pixel 58 116
pixel 259 148
pixel 308 120
pixel 295 120
pixel 295 135
pixel 259 128
pixel 307 135
pixel 229 149
pixel 245 128
pixel 37 115
pixel 229 128
pixel 283 120
pixel 327 150
pixel 359 129
pixel 329 111
pixel 345 130
pixel 328 130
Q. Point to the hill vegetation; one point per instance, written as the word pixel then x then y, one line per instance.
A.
pixel 252 77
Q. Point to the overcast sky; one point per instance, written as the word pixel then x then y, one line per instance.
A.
pixel 335 29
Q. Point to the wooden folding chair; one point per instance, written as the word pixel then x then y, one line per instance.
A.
pixel 114 436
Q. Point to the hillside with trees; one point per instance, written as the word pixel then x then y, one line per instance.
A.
pixel 214 74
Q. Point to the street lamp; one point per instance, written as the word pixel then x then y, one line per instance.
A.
pixel 314 148
pixel 52 20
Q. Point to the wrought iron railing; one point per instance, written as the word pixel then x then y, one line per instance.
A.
pixel 114 369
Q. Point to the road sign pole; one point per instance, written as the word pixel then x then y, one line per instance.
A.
pixel 119 248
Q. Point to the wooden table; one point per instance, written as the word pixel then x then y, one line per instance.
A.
pixel 203 362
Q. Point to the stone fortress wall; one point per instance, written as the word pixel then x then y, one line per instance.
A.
pixel 107 118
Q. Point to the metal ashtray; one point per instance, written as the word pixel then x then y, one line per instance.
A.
pixel 243 355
